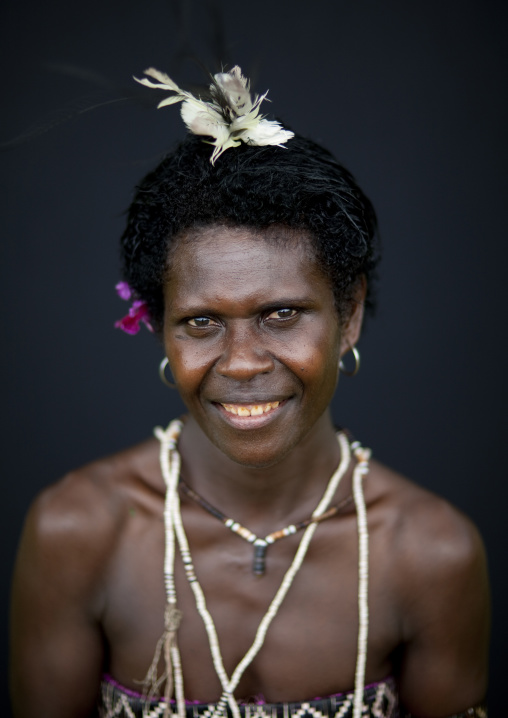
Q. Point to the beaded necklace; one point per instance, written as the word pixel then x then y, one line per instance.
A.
pixel 170 466
pixel 260 544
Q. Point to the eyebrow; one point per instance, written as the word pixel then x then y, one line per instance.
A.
pixel 284 301
pixel 279 303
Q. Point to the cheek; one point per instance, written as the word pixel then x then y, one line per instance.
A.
pixel 315 362
pixel 189 363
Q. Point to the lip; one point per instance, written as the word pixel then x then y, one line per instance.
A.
pixel 250 422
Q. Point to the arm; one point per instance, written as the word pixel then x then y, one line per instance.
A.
pixel 444 663
pixel 56 642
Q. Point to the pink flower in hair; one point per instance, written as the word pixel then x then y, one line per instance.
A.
pixel 123 290
pixel 131 323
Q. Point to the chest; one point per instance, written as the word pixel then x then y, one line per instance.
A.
pixel 310 646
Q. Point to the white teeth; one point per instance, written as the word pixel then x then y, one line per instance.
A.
pixel 251 410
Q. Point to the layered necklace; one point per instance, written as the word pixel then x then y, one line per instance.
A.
pixel 170 466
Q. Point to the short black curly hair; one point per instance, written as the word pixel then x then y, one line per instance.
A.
pixel 300 186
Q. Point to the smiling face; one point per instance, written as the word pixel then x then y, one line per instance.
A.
pixel 253 340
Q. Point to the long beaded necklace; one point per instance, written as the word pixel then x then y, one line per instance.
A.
pixel 170 465
pixel 260 544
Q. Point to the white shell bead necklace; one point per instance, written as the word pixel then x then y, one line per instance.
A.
pixel 170 466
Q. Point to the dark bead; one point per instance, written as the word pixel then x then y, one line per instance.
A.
pixel 258 567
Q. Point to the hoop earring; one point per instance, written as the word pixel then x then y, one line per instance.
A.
pixel 356 355
pixel 162 373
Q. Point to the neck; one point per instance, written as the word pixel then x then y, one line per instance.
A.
pixel 293 485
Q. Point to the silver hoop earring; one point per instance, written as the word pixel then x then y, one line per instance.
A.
pixel 356 355
pixel 162 373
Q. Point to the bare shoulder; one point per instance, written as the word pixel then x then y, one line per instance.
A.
pixel 436 552
pixel 81 516
pixel 61 579
pixel 426 529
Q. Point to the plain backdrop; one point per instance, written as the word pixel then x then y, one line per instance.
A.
pixel 410 96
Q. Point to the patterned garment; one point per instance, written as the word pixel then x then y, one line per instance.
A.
pixel 479 711
pixel 380 701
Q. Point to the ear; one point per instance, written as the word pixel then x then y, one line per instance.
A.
pixel 352 327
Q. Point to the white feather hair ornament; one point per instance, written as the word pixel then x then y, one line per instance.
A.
pixel 230 115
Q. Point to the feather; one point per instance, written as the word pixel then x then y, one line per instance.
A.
pixel 170 101
pixel 165 80
pixel 235 88
pixel 229 115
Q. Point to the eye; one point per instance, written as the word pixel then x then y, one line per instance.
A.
pixel 284 313
pixel 201 322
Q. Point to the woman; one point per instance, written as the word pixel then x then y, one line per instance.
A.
pixel 255 270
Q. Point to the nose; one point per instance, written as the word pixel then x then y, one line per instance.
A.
pixel 245 355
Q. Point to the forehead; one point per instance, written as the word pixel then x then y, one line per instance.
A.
pixel 212 237
pixel 219 263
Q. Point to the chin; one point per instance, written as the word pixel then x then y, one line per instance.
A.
pixel 256 452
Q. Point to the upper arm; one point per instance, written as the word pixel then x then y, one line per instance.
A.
pixel 444 663
pixel 56 643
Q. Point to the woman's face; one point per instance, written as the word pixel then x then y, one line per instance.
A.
pixel 253 339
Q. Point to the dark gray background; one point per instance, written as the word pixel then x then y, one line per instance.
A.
pixel 411 96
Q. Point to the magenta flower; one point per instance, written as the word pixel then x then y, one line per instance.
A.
pixel 123 290
pixel 131 323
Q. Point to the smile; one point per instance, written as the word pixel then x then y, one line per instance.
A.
pixel 250 409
